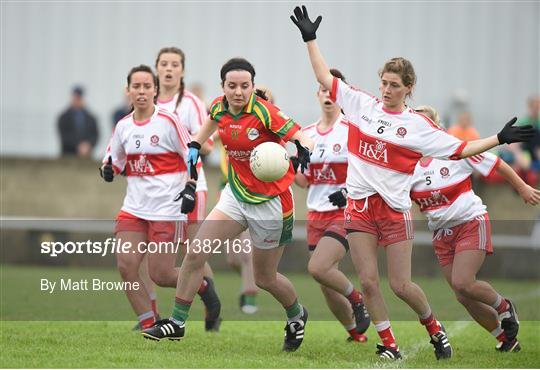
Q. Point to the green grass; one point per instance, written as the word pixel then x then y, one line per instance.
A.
pixel 101 336
pixel 246 345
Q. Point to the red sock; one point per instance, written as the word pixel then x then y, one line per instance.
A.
pixel 153 302
pixel 387 337
pixel 202 288
pixel 357 336
pixel 502 337
pixel 503 307
pixel 355 297
pixel 431 325
pixel 147 323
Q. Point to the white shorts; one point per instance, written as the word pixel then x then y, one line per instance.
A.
pixel 270 223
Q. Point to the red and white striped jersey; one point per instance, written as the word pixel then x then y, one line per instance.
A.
pixel 327 170
pixel 191 113
pixel 153 154
pixel 385 146
pixel 443 191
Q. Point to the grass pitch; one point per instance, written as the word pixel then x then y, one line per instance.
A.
pixel 99 335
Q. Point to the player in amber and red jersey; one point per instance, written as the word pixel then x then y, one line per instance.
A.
pixel 150 146
pixel 191 113
pixel 244 121
pixel 462 233
pixel 386 140
pixel 326 199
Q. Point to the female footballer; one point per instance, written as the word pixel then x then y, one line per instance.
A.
pixel 150 146
pixel 243 121
pixel 386 140
pixel 326 199
pixel 462 232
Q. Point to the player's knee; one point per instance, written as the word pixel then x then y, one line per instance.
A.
pixel 163 278
pixel 264 281
pixel 399 288
pixel 194 261
pixel 370 286
pixel 316 270
pixel 128 270
pixel 461 286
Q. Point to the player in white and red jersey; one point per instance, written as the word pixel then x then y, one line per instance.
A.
pixel 243 121
pixel 461 233
pixel 386 140
pixel 150 146
pixel 326 200
pixel 191 112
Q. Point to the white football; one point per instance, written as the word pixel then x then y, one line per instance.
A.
pixel 269 161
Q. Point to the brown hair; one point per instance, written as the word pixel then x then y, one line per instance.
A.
pixel 336 73
pixel 147 69
pixel 403 68
pixel 174 50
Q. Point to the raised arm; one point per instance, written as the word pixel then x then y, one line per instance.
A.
pixel 509 134
pixel 308 30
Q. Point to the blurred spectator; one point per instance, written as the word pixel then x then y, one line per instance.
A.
pixel 77 127
pixel 463 128
pixel 519 160
pixel 197 89
pixel 121 111
pixel 533 118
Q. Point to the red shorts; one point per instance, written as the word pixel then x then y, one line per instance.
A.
pixel 199 212
pixel 320 224
pixel 372 215
pixel 472 235
pixel 156 231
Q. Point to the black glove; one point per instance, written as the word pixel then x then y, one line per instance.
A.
pixel 188 197
pixel 302 156
pixel 193 158
pixel 339 198
pixel 295 163
pixel 107 172
pixel 514 134
pixel 304 24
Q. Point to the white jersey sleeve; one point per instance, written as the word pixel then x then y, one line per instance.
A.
pixel 350 99
pixel 484 163
pixel 115 149
pixel 191 112
pixel 437 143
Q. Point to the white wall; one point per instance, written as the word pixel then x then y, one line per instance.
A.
pixel 491 50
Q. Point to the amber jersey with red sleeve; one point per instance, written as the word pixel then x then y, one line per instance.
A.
pixel 443 189
pixel 327 170
pixel 153 155
pixel 258 122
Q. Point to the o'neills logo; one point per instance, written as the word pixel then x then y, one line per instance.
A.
pixel 435 199
pixel 375 151
pixel 140 166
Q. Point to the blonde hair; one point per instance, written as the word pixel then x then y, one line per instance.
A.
pixel 430 113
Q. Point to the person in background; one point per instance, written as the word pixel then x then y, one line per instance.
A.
pixel 121 111
pixel 77 127
pixel 463 128
pixel 533 118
